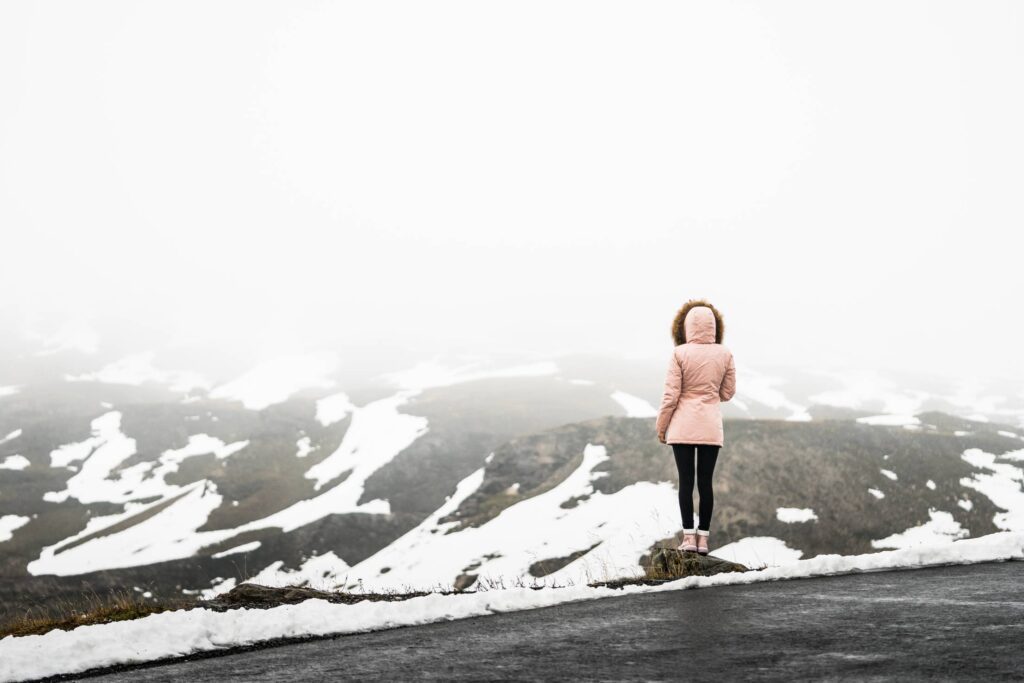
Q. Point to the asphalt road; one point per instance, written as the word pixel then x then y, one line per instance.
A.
pixel 962 622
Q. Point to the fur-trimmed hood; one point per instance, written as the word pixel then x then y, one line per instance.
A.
pixel 704 326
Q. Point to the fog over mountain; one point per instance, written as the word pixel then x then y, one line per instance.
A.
pixel 379 180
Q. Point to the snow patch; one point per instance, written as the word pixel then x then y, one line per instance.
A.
pixel 377 434
pixel 320 572
pixel 14 462
pixel 889 473
pixel 304 446
pixel 103 451
pixel 876 493
pixel 1002 485
pixel 9 523
pixel 333 409
pixel 244 548
pixel 219 585
pixel 761 388
pixel 940 527
pixel 168 534
pixel 108 448
pixel 432 373
pixel 633 405
pixel 103 428
pixel 758 551
pixel 275 380
pixel 11 437
pixel 889 420
pixel 791 515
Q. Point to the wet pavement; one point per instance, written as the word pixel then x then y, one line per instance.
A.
pixel 946 623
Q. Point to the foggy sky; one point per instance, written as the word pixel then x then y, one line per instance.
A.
pixel 842 180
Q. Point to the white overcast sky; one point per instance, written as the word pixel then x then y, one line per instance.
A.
pixel 843 179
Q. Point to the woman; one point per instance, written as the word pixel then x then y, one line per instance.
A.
pixel 701 374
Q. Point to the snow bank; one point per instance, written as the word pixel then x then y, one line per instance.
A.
pixel 759 551
pixel 173 634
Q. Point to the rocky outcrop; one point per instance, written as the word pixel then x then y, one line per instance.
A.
pixel 254 596
pixel 669 564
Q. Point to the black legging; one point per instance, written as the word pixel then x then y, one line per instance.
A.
pixel 707 455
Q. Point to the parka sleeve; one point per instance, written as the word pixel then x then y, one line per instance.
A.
pixel 670 397
pixel 728 388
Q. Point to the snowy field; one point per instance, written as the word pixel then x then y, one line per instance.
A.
pixel 173 634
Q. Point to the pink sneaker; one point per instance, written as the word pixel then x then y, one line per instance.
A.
pixel 702 541
pixel 689 543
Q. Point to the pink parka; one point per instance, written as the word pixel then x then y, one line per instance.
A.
pixel 700 375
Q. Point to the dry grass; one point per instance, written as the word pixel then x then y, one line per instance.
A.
pixel 91 608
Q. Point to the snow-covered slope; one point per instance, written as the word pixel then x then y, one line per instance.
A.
pixel 139 472
pixel 572 532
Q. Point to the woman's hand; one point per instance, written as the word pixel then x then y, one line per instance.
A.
pixel 661 437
